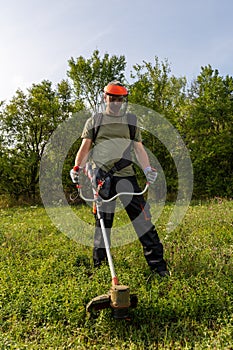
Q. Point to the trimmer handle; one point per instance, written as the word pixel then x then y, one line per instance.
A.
pixel 114 197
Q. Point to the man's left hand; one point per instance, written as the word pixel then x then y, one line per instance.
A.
pixel 151 174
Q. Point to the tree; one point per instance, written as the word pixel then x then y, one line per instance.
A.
pixel 155 88
pixel 89 76
pixel 209 129
pixel 27 124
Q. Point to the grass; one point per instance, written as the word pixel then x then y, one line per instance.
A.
pixel 45 285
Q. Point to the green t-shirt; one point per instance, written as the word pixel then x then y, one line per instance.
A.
pixel 112 140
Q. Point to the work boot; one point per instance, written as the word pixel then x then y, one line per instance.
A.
pixel 99 256
pixel 161 273
pixel 164 273
pixel 161 269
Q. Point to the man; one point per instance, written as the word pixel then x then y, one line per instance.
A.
pixel 113 140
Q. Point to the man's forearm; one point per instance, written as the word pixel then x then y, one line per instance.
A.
pixel 83 152
pixel 141 155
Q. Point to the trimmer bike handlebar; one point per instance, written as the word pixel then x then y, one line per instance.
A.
pixel 114 197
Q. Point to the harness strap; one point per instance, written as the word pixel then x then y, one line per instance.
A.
pixel 125 159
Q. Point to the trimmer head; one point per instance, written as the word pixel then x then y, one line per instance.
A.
pixel 118 299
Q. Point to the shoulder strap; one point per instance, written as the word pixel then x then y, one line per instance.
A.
pixel 96 125
pixel 132 123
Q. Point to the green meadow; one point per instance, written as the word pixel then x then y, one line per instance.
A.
pixel 47 279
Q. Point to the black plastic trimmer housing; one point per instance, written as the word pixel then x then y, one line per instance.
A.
pixel 118 299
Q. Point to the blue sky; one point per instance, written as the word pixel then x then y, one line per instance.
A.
pixel 37 38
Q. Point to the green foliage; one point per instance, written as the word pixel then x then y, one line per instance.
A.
pixel 202 114
pixel 208 128
pixel 158 90
pixel 46 284
pixel 89 76
pixel 28 121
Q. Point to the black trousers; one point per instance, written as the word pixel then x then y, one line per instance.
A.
pixel 139 213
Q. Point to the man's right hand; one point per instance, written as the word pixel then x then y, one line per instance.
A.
pixel 74 174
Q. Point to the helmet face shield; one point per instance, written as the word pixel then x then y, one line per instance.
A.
pixel 115 104
pixel 115 99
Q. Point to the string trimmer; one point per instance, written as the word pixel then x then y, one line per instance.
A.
pixel 119 298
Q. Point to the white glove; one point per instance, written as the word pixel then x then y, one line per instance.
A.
pixel 74 174
pixel 151 174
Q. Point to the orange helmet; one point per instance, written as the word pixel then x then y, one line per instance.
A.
pixel 115 88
